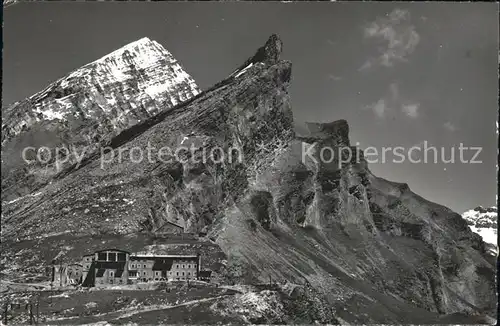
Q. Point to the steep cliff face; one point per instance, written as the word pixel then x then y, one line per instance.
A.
pixel 341 220
pixel 276 204
pixel 87 107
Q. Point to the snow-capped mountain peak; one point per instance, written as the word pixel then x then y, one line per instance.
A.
pixel 97 101
pixel 137 80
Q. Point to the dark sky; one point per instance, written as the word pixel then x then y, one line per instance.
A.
pixel 400 73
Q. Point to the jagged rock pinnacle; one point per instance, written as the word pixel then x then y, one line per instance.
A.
pixel 273 48
pixel 269 53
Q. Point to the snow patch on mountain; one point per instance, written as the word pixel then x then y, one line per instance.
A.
pixel 243 70
pixel 239 72
pixel 483 221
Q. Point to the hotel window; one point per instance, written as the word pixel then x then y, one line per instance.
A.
pixel 144 265
pixel 189 266
pixel 194 266
pixel 177 273
pixel 112 256
pixel 122 256
pixel 189 274
pixel 144 273
pixel 111 274
pixel 182 273
pixel 133 265
pixel 157 273
pixel 102 256
pixel 176 266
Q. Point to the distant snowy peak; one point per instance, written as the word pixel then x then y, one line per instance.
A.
pixel 483 221
pixel 125 86
pixel 482 217
pixel 7 3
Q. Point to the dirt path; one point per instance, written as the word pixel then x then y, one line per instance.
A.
pixel 12 286
pixel 125 313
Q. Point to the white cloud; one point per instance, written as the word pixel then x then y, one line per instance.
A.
pixel 394 99
pixel 380 108
pixel 367 65
pixel 449 126
pixel 397 32
pixel 335 78
pixel 411 110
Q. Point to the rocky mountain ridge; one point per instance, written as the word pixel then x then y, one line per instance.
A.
pixel 372 249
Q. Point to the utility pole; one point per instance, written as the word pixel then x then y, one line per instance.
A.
pixel 30 307
pixel 37 308
pixel 6 311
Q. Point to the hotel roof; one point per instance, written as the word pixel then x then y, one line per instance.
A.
pixel 136 256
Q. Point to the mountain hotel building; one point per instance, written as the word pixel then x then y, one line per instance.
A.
pixel 114 267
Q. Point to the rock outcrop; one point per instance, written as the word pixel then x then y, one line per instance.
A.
pixel 304 210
